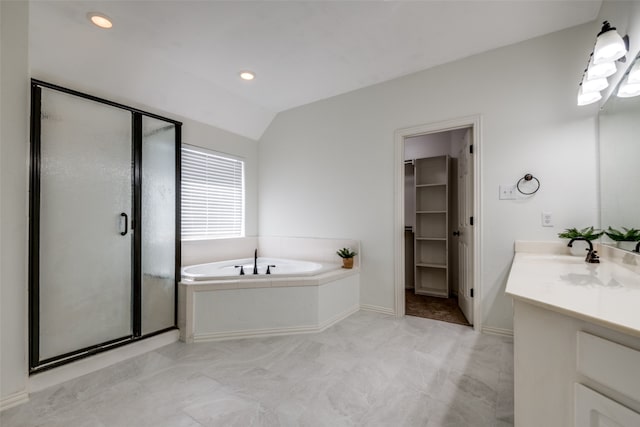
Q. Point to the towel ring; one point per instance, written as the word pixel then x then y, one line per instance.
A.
pixel 528 177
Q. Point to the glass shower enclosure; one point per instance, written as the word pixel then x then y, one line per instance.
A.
pixel 104 253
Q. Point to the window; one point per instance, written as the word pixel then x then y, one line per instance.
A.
pixel 212 195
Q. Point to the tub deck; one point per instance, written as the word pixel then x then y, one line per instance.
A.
pixel 266 305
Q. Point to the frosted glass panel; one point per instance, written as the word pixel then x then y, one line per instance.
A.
pixel 85 263
pixel 158 224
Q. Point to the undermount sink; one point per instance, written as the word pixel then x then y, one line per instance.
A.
pixel 562 259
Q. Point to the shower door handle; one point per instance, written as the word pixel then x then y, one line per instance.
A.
pixel 126 224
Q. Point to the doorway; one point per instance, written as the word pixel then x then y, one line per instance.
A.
pixel 437 195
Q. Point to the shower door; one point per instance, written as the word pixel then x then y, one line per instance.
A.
pixel 104 215
pixel 85 237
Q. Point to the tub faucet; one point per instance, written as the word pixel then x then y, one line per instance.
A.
pixel 255 262
pixel 637 249
pixel 592 257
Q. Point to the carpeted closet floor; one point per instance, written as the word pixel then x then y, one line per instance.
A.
pixel 445 309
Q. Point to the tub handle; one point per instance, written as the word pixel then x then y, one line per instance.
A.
pixel 241 269
pixel 126 224
pixel 269 268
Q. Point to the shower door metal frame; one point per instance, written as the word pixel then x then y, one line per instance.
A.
pixel 35 364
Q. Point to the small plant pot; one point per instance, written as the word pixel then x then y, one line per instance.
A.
pixel 347 262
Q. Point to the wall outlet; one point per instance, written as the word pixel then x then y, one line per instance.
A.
pixel 547 219
pixel 507 192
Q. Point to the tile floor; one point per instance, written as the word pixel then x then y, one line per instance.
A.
pixel 368 370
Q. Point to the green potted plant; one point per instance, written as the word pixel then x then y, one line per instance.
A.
pixel 624 239
pixel 347 257
pixel 588 233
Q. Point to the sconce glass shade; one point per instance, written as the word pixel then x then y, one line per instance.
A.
pixel 609 45
pixel 596 71
pixel 588 98
pixel 595 85
pixel 628 90
pixel 634 74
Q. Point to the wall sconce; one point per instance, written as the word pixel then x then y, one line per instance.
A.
pixel 588 97
pixel 609 47
pixel 594 85
pixel 630 85
pixel 628 90
pixel 596 71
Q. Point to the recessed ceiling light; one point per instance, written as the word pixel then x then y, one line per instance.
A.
pixel 247 75
pixel 100 20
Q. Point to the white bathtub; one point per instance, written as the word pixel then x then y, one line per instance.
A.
pixel 225 270
pixel 216 302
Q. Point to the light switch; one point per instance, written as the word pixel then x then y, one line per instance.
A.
pixel 547 219
pixel 507 192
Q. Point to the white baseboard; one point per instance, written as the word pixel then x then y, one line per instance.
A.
pixel 272 332
pixel 99 361
pixel 337 318
pixel 14 400
pixel 378 309
pixel 497 331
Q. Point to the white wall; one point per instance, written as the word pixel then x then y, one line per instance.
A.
pixel 326 169
pixel 14 17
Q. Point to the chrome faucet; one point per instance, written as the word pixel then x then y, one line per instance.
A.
pixel 592 257
pixel 255 262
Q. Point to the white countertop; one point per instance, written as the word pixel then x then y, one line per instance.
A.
pixel 607 293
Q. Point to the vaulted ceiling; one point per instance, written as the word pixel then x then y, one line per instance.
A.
pixel 184 57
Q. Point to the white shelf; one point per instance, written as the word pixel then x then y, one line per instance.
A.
pixel 431 226
pixel 432 265
pixel 430 212
pixel 431 185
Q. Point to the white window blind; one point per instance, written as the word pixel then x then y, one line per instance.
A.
pixel 212 195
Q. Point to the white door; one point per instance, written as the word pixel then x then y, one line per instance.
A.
pixel 465 241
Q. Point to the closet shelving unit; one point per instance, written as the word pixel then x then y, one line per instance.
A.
pixel 431 242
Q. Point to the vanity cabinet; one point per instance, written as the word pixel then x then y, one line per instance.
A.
pixel 576 337
pixel 431 237
pixel 572 372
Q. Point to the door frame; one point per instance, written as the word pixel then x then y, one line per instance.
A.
pixel 475 123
